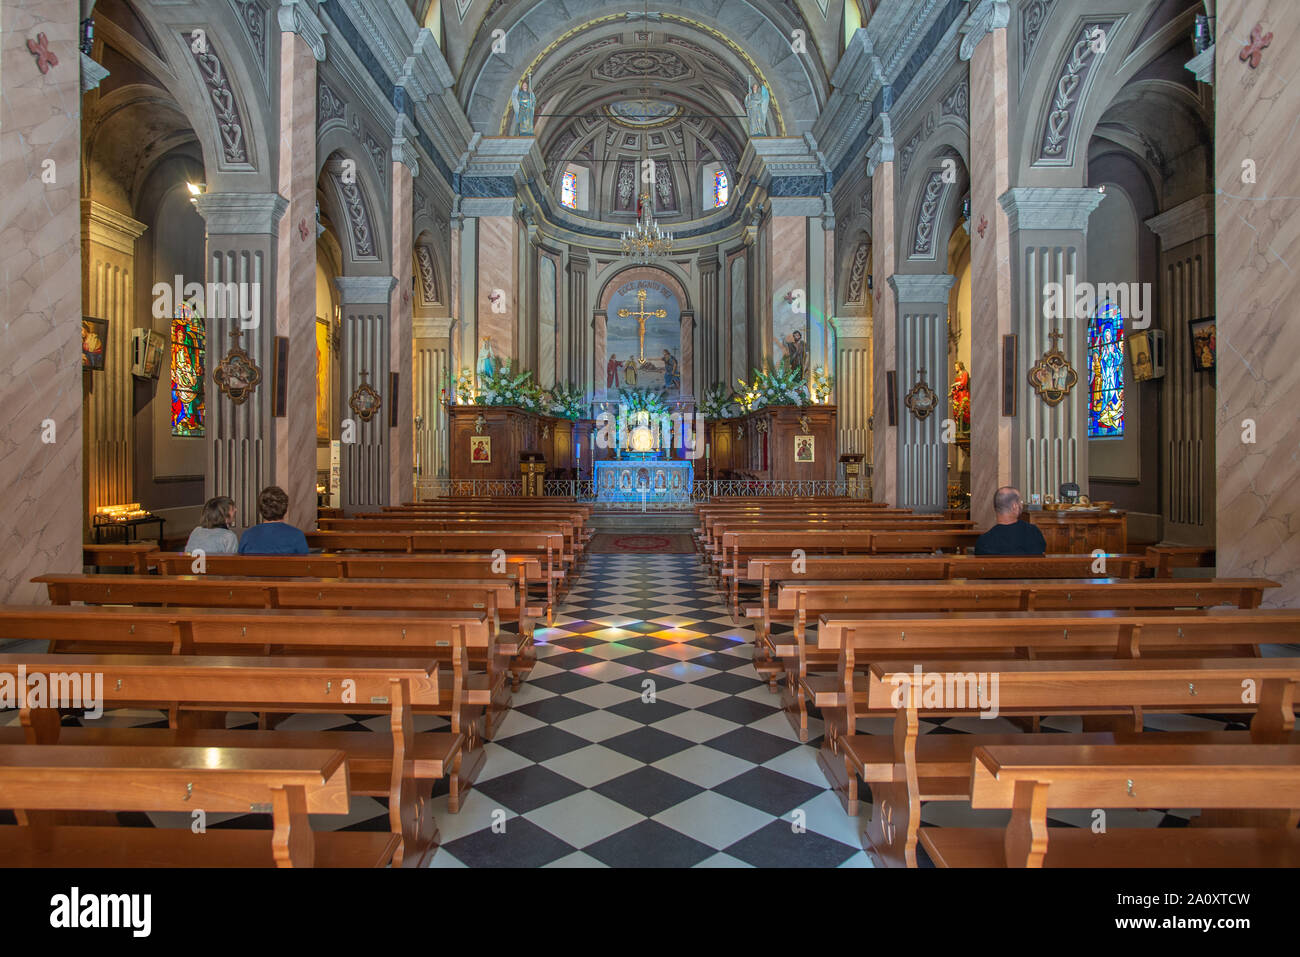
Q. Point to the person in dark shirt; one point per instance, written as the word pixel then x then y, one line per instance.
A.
pixel 273 536
pixel 1010 536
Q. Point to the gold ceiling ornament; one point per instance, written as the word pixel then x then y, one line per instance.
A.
pixel 921 399
pixel 1052 376
pixel 365 401
pixel 237 375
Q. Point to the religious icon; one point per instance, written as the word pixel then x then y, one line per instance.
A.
pixel 522 101
pixel 672 372
pixel 1052 376
pixel 237 375
pixel 757 102
pixel 805 448
pixel 629 373
pixel 148 353
pixel 642 479
pixel 796 351
pixel 1204 344
pixel 661 482
pixel 625 481
pixel 365 401
pixel 480 449
pixel 641 315
pixel 94 336
pixel 921 399
pixel 1139 348
pixel 677 480
pixel 487 359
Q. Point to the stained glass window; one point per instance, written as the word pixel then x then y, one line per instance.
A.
pixel 721 188
pixel 1106 373
pixel 188 338
pixel 569 189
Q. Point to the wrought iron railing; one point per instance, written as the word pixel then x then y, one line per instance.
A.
pixel 643 500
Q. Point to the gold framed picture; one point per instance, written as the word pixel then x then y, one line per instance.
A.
pixel 480 449
pixel 1139 350
pixel 805 448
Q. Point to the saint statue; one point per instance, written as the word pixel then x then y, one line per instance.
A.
pixel 796 350
pixel 487 360
pixel 959 395
pixel 756 104
pixel 672 372
pixel 522 101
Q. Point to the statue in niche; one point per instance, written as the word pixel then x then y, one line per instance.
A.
pixel 487 359
pixel 522 101
pixel 959 395
pixel 796 351
pixel 756 105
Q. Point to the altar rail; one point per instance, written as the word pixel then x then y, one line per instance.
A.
pixel 584 490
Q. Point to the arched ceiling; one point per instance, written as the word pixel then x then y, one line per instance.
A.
pixel 699 54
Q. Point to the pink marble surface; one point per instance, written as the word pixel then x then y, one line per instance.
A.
pixel 496 275
pixel 884 484
pixel 789 276
pixel 992 435
pixel 40 230
pixel 295 301
pixel 1257 254
pixel 401 440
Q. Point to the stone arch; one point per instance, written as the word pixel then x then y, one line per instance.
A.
pixel 933 193
pixel 622 273
pixel 358 209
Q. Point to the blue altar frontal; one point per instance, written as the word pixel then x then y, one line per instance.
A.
pixel 643 480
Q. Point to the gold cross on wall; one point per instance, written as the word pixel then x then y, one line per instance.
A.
pixel 641 316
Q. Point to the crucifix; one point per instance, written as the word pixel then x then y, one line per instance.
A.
pixel 641 315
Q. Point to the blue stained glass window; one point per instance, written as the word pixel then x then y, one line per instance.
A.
pixel 1106 373
pixel 569 190
pixel 721 188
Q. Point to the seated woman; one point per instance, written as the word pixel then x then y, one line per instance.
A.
pixel 213 536
pixel 273 536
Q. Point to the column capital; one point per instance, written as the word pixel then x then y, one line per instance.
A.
pixel 108 227
pixel 1046 207
pixel 987 16
pixel 235 213
pixel 365 290
pixel 1185 222
pixel 404 153
pixel 912 288
pixel 852 327
pixel 431 327
pixel 296 16
pixel 881 151
pixel 1203 65
pixel 93 73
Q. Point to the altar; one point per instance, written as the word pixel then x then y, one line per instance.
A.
pixel 651 480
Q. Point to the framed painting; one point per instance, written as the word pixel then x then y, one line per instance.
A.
pixel 805 448
pixel 1139 351
pixel 1205 347
pixel 480 449
pixel 94 342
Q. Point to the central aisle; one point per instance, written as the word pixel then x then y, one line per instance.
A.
pixel 586 771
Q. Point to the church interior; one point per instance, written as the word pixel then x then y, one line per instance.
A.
pixel 529 433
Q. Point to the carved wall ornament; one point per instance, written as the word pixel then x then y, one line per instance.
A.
pixel 857 274
pixel 1251 53
pixel 1032 18
pixel 365 401
pixel 329 107
pixel 428 281
pixel 354 202
pixel 921 400
pixel 1070 86
pixel 237 375
pixel 230 125
pixel 480 422
pixel 931 198
pixel 253 19
pixel 1052 376
pixel 908 152
pixel 45 58
pixel 957 101
pixel 804 424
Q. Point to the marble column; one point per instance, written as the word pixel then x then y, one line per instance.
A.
pixel 108 278
pixel 579 324
pixel 688 390
pixel 1257 247
pixel 992 433
pixel 301 47
pixel 465 242
pixel 707 359
pixel 599 330
pixel 1048 240
pixel 242 248
pixel 881 169
pixel 1187 460
pixel 786 307
pixel 852 391
pixel 366 349
pixel 821 291
pixel 922 356
pixel 432 367
pixel 41 377
pixel 401 448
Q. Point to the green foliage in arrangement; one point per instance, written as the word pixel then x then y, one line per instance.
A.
pixel 568 402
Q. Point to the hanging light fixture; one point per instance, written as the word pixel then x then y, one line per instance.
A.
pixel 646 241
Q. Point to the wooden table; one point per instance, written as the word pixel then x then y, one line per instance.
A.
pixel 1079 531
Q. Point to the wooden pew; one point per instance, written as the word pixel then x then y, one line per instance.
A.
pixel 1164 558
pixel 710 543
pixel 208 591
pixel 400 766
pixel 1032 781
pixel 573 539
pixel 287 783
pixel 134 556
pixel 474 704
pixel 907 768
pixel 524 570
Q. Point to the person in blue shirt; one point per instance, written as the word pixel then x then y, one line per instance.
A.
pixel 1010 536
pixel 273 536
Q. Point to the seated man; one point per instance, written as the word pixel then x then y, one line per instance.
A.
pixel 273 536
pixel 1010 536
